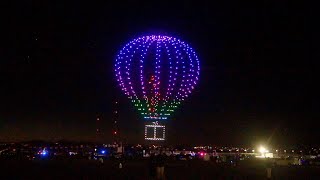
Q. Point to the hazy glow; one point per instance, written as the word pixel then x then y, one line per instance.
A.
pixel 262 149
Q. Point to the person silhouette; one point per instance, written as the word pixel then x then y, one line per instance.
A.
pixel 152 166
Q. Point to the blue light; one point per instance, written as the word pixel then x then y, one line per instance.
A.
pixel 103 151
pixel 168 54
pixel 44 152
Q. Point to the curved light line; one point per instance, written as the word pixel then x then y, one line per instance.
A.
pixel 184 71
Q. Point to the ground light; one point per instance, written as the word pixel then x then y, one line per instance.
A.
pixel 43 152
pixel 264 152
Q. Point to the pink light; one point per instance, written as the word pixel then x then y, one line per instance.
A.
pixel 178 56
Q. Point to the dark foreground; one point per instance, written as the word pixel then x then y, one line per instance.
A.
pixel 85 169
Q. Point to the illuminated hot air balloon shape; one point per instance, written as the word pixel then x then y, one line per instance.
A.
pixel 157 73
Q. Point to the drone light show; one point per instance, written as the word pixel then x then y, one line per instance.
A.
pixel 157 73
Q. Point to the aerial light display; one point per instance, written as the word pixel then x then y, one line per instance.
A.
pixel 157 73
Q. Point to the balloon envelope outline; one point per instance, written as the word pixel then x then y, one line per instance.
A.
pixel 157 73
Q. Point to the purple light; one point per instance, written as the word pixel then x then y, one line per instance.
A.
pixel 157 73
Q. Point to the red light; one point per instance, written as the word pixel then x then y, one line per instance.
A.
pixel 115 132
pixel 201 154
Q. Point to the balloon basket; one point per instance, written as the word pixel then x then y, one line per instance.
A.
pixel 153 131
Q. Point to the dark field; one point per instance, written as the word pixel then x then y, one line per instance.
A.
pixel 85 169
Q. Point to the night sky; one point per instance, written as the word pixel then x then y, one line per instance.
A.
pixel 258 80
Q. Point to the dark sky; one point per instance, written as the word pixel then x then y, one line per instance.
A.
pixel 259 70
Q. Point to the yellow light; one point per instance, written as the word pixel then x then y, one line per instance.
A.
pixel 262 149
